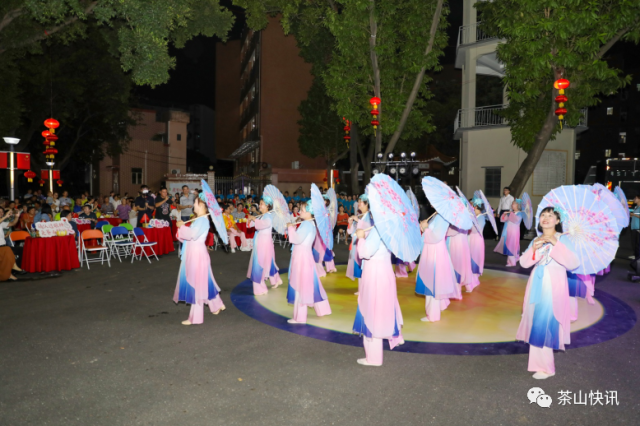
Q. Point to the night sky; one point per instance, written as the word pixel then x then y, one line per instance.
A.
pixel 193 79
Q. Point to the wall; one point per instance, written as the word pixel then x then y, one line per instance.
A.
pixel 227 98
pixel 492 147
pixel 285 80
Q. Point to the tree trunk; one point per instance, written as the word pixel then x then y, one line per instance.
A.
pixel 529 164
pixel 417 83
pixel 353 160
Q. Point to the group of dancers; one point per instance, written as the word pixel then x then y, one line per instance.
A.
pixel 451 259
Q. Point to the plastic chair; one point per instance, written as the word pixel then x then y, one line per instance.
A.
pixel 101 223
pixel 94 247
pixel 19 236
pixel 141 242
pixel 218 242
pixel 121 242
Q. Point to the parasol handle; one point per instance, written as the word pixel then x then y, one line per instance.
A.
pixel 258 217
pixel 197 218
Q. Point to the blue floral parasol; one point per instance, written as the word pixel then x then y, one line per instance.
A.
pixel 618 211
pixel 280 214
pixel 589 224
pixel 447 203
pixel 527 209
pixel 619 193
pixel 215 212
pixel 488 210
pixel 322 217
pixel 414 201
pixel 471 210
pixel 333 206
pixel 395 219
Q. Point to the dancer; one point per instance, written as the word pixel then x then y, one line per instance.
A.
pixel 509 243
pixel 364 221
pixel 263 256
pixel 546 323
pixel 476 240
pixel 580 286
pixel 458 245
pixel 323 254
pixel 196 284
pixel 436 278
pixel 305 288
pixel 378 316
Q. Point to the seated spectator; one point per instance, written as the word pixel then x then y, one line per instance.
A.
pixel 342 223
pixel 254 210
pixel 88 214
pixel 45 215
pixel 65 208
pixel 107 208
pixel 26 219
pixel 78 206
pixel 233 230
pixel 67 214
pixel 238 212
pixel 295 212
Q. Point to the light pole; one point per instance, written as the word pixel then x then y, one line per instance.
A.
pixel 50 164
pixel 12 142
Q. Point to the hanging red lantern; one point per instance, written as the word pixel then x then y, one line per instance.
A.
pixel 560 112
pixel 52 124
pixel 30 175
pixel 375 101
pixel 347 138
pixel 45 133
pixel 60 182
pixel 561 84
pixel 375 123
pixel 41 182
pixel 52 139
pixel 347 129
pixel 561 99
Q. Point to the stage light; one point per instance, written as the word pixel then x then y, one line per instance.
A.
pixel 403 155
pixel 403 170
pixel 391 156
pixel 375 171
pixel 380 155
pixel 393 170
pixel 413 155
pixel 415 170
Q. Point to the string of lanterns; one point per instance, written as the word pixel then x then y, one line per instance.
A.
pixel 375 101
pixel 347 129
pixel 50 139
pixel 561 99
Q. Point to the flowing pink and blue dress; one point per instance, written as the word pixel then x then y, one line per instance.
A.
pixel 509 243
pixel 262 265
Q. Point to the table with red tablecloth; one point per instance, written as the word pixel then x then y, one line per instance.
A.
pixel 242 226
pixel 113 221
pixel 162 236
pixel 50 254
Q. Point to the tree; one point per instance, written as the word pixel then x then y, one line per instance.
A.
pixel 321 131
pixel 142 29
pixel 378 48
pixel 547 40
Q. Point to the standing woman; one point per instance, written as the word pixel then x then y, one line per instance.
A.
pixel 196 284
pixel 546 323
pixel 378 316
pixel 476 241
pixel 509 243
pixel 322 253
pixel 305 289
pixel 8 266
pixel 436 278
pixel 458 244
pixel 354 269
pixel 263 256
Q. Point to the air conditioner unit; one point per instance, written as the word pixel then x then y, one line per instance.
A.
pixel 175 171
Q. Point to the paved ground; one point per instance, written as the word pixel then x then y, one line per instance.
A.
pixel 106 347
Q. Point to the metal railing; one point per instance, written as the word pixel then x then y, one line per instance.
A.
pixel 473 33
pixel 489 116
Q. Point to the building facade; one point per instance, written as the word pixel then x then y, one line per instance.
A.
pixel 272 80
pixel 201 147
pixel 158 147
pixel 488 158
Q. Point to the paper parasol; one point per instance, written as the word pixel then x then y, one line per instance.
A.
pixel 215 212
pixel 527 209
pixel 618 192
pixel 591 228
pixel 488 210
pixel 618 211
pixel 322 217
pixel 333 206
pixel 394 217
pixel 447 203
pixel 471 210
pixel 414 201
pixel 280 214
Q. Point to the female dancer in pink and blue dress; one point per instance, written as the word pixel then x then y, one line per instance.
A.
pixel 476 240
pixel 509 243
pixel 546 323
pixel 458 245
pixel 322 253
pixel 436 278
pixel 378 316
pixel 196 284
pixel 305 288
pixel 354 269
pixel 263 257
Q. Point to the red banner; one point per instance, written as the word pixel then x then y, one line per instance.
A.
pixel 23 161
pixel 4 160
pixel 44 174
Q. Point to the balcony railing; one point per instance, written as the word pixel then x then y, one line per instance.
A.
pixel 469 34
pixel 490 116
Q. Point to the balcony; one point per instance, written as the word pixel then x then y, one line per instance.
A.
pixel 489 116
pixel 250 112
pixel 470 34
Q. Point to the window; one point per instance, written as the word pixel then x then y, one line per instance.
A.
pixel 607 153
pixel 609 110
pixel 623 137
pixel 136 176
pixel 179 137
pixel 577 154
pixel 492 181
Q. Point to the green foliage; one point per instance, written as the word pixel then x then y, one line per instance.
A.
pixel 320 128
pixel 334 36
pixel 142 29
pixel 548 38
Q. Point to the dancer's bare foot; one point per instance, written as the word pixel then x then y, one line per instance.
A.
pixel 187 322
pixel 363 361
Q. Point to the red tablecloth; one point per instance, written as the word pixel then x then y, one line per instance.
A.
pixel 50 254
pixel 162 236
pixel 83 228
pixel 114 221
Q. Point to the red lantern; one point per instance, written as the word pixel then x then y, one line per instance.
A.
pixel 30 175
pixel 560 112
pixel 347 128
pixel 561 84
pixel 41 182
pixel 51 124
pixel 347 138
pixel 45 133
pixel 375 112
pixel 375 101
pixel 375 123
pixel 52 139
pixel 561 99
pixel 60 182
